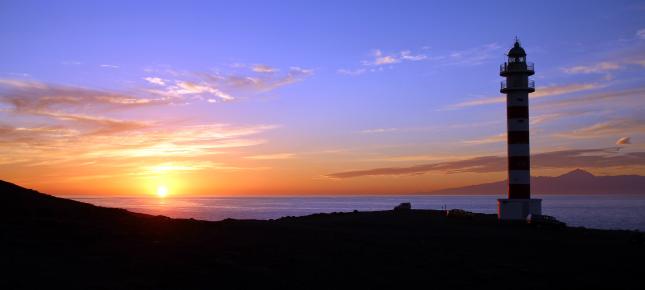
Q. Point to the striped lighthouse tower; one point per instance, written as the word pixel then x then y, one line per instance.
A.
pixel 517 87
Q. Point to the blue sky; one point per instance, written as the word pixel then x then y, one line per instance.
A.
pixel 319 87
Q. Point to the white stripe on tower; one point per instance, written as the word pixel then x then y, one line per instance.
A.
pixel 519 175
pixel 517 88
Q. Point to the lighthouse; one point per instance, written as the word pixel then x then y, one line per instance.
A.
pixel 517 87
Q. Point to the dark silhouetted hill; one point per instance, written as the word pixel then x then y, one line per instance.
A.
pixel 53 243
pixel 575 182
pixel 19 202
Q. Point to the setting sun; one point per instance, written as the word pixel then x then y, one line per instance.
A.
pixel 162 191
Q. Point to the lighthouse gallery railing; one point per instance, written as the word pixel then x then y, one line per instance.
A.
pixel 506 67
pixel 531 84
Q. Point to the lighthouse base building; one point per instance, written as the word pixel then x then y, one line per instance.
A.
pixel 517 86
pixel 518 209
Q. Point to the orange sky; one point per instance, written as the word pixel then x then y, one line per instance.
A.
pixel 103 100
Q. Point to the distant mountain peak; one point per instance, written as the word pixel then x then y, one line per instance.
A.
pixel 574 182
pixel 578 173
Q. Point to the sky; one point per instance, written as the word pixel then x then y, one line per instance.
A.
pixel 304 98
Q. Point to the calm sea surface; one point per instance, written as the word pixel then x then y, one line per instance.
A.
pixel 598 211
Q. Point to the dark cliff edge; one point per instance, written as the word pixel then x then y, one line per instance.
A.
pixel 49 242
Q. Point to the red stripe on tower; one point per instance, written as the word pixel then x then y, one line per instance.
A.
pixel 517 87
pixel 519 205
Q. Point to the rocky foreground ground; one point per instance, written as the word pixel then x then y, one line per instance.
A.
pixel 53 243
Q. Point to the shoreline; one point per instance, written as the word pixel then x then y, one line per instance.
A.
pixel 613 216
pixel 45 238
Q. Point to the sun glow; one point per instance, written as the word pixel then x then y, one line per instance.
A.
pixel 162 191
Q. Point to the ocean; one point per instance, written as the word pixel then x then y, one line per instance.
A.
pixel 596 211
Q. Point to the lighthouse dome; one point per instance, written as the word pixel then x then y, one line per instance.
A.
pixel 517 50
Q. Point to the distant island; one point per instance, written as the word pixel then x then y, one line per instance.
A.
pixel 575 182
pixel 54 243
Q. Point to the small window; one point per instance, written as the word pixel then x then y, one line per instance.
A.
pixel 520 100
pixel 520 121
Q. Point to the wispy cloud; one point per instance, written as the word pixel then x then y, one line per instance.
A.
pixel 179 89
pixel 40 98
pixel 260 68
pixel 378 130
pixel 19 74
pixel 352 72
pixel 53 124
pixel 627 59
pixel 138 144
pixel 629 97
pixel 407 55
pixel 584 158
pixel 640 33
pixel 540 92
pixel 226 87
pixel 487 140
pixel 97 125
pixel 379 58
pixel 472 56
pixel 538 119
pixel 276 156
pixel 167 167
pixel 198 141
pixel 237 82
pixel 155 81
pixel 11 136
pixel 600 67
pixel 606 128
pixel 624 141
pixel 557 90
pixel 263 82
pixel 189 88
pixel 408 158
pixel 109 66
